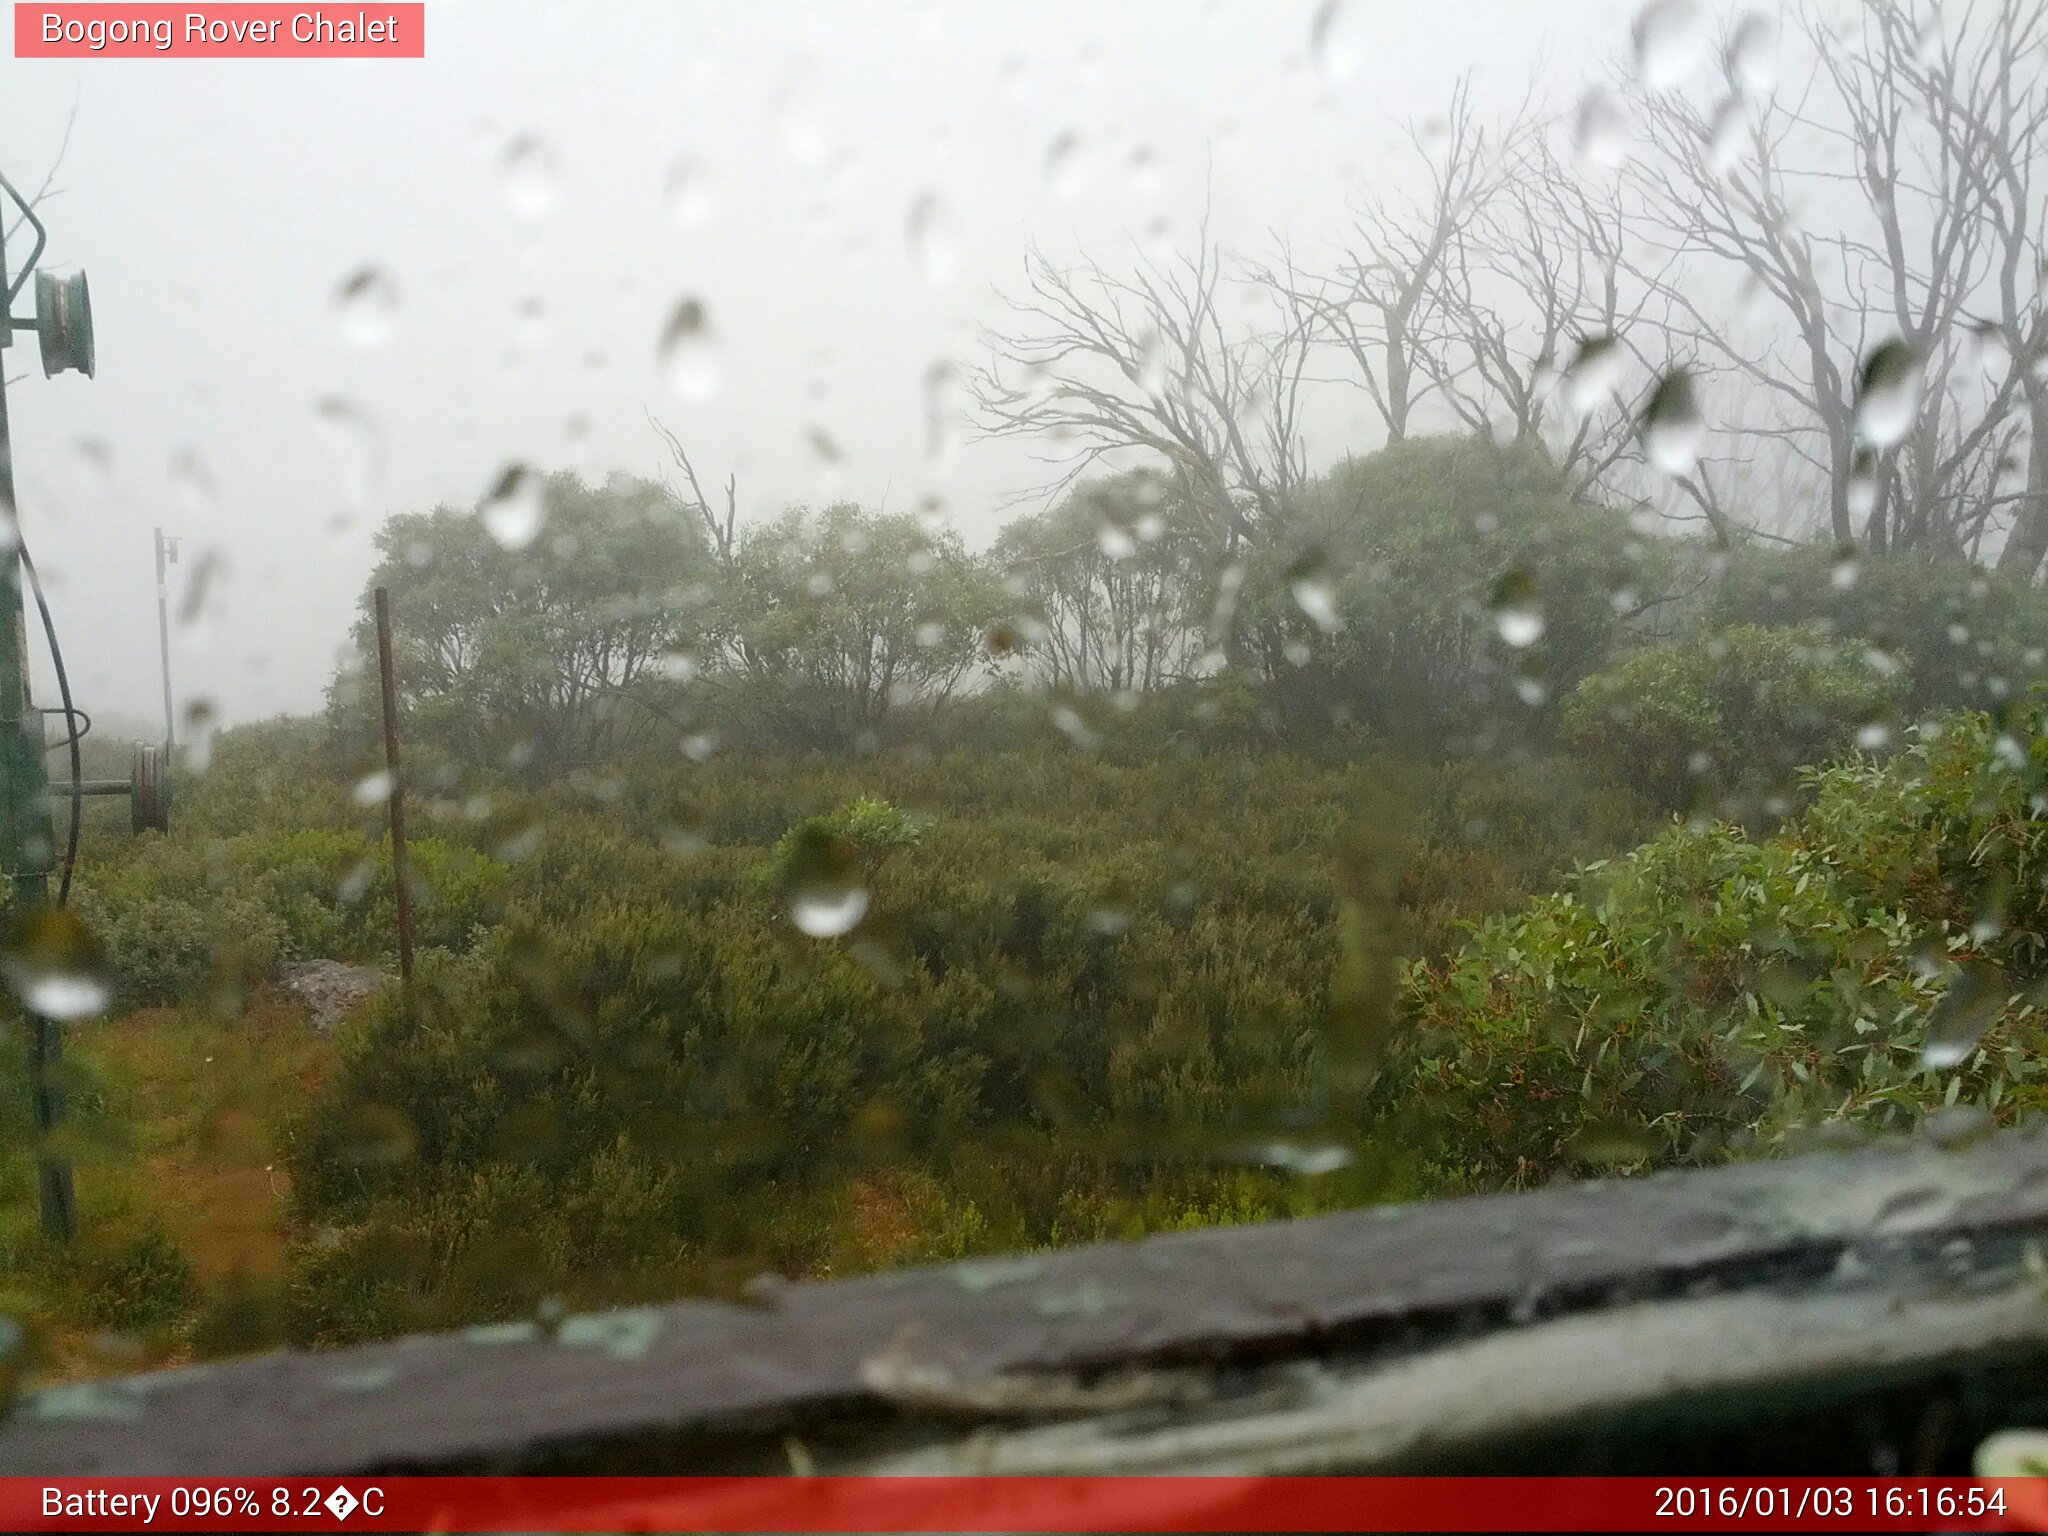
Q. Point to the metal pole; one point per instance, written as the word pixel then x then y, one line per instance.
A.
pixel 163 640
pixel 401 886
pixel 27 839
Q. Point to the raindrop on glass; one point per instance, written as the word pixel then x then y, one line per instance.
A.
pixel 1332 40
pixel 1599 132
pixel 514 508
pixel 1116 543
pixel 823 886
pixel 1673 427
pixel 686 190
pixel 1753 54
pixel 1670 38
pixel 933 244
pixel 1724 137
pixel 526 176
pixel 1862 489
pixel 1066 165
pixel 373 788
pixel 366 306
pixel 1594 373
pixel 56 966
pixel 824 447
pixel 191 481
pixel 1972 1001
pixel 1987 344
pixel 689 353
pixel 1516 616
pixel 1315 593
pixel 1888 393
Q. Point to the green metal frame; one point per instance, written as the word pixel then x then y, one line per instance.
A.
pixel 27 834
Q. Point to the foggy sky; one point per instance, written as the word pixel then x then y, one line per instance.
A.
pixel 218 207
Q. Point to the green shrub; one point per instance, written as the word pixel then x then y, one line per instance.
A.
pixel 1724 720
pixel 1432 556
pixel 1974 639
pixel 1709 995
pixel 1079 982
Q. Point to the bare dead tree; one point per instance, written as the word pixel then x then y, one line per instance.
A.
pixel 1097 366
pixel 1385 305
pixel 723 532
pixel 1982 85
pixel 1846 210
pixel 1539 275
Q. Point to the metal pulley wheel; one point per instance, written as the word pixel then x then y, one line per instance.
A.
pixel 149 801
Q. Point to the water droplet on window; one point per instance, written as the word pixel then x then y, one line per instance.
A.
pixel 356 442
pixel 514 508
pixel 1927 41
pixel 1725 137
pixel 191 481
pixel 1862 490
pixel 93 464
pixel 373 788
pixel 1515 613
pixel 1070 725
pixel 1115 543
pixel 941 382
pixel 366 305
pixel 689 353
pixel 1844 570
pixel 1670 38
pixel 1332 40
pixel 1753 54
pixel 1142 165
pixel 822 883
pixel 1066 165
pixel 56 966
pixel 1599 132
pixel 1151 370
pixel 933 244
pixel 1973 1000
pixel 1673 427
pixel 1594 373
pixel 1888 393
pixel 527 177
pixel 1314 592
pixel 1987 343
pixel 827 912
pixel 686 190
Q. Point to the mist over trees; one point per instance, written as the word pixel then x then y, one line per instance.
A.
pixel 1760 286
pixel 1791 275
pixel 1623 750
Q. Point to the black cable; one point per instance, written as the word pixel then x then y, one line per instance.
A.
pixel 70 714
pixel 83 731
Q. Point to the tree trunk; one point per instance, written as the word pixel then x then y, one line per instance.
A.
pixel 2028 543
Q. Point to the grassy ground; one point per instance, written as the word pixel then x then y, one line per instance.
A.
pixel 184 1204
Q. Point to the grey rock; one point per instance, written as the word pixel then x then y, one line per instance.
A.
pixel 330 989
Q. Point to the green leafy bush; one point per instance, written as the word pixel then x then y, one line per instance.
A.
pixel 1708 995
pixel 1725 720
pixel 1078 985
pixel 1973 639
pixel 1432 589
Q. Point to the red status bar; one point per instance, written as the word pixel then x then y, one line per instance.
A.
pixel 1052 1504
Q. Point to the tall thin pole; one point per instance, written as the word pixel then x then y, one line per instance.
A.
pixel 27 839
pixel 163 638
pixel 400 884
